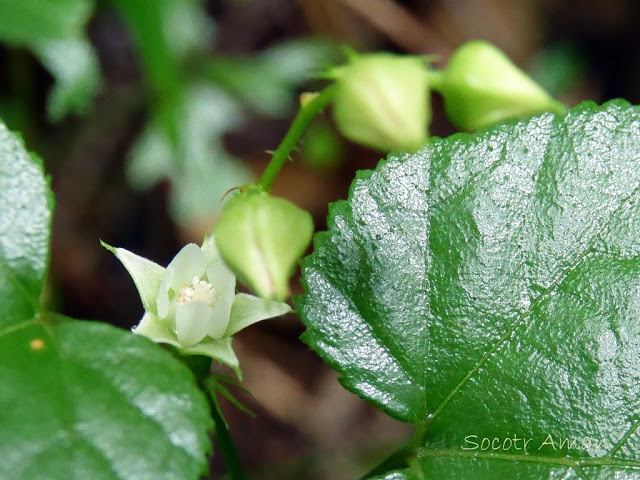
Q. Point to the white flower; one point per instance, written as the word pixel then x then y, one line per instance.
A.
pixel 192 304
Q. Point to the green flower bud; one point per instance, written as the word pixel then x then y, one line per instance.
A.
pixel 261 238
pixel 481 86
pixel 382 101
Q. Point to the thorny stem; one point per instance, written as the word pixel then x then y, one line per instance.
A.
pixel 305 115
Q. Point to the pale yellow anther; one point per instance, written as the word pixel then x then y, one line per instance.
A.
pixel 199 291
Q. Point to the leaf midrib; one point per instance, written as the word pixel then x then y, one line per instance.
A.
pixel 541 297
pixel 18 326
pixel 571 462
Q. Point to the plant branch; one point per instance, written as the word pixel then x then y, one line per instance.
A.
pixel 305 115
pixel 225 442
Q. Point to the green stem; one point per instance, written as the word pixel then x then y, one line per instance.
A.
pixel 288 144
pixel 201 368
pixel 225 442
pixel 436 79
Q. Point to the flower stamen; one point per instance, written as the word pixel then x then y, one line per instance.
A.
pixel 199 291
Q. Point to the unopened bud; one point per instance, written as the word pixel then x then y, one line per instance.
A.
pixel 261 238
pixel 481 86
pixel 382 101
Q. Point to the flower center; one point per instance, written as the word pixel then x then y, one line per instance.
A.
pixel 199 291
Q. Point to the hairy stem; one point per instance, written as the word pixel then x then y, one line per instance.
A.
pixel 305 115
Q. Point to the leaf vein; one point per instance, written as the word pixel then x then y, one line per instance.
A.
pixel 567 461
pixel 582 256
pixel 100 453
pixel 375 333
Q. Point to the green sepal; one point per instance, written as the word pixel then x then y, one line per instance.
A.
pixel 261 238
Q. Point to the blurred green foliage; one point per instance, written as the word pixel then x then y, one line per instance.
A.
pixel 54 31
pixel 266 82
pixel 194 96
pixel 196 101
pixel 558 68
pixel 322 147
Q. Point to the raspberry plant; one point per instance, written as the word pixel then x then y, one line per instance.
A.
pixel 484 288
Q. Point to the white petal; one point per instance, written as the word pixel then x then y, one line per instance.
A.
pixel 158 331
pixel 193 322
pixel 224 284
pixel 146 275
pixel 247 310
pixel 220 322
pixel 219 349
pixel 162 299
pixel 188 263
pixel 210 250
pixel 222 279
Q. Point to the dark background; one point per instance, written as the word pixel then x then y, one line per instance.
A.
pixel 307 426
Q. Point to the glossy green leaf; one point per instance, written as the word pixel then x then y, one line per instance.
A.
pixel 25 216
pixel 488 287
pixel 80 400
pixel 84 400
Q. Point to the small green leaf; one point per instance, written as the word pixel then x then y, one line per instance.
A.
pixel 84 400
pixel 488 287
pixel 74 64
pixel 215 386
pixel 54 31
pixel 25 217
